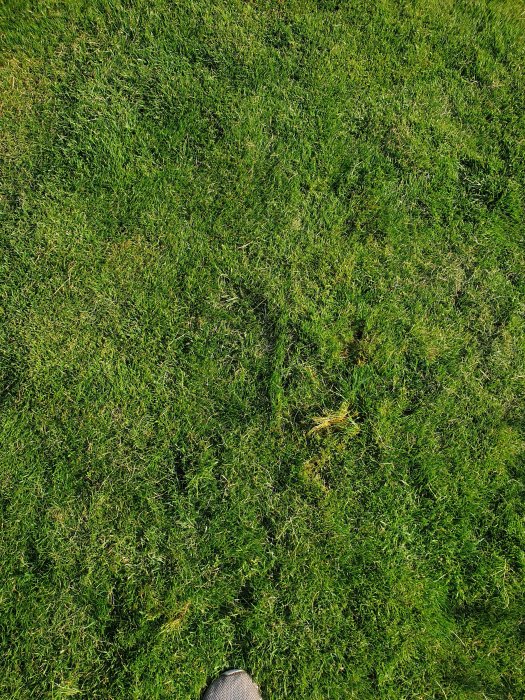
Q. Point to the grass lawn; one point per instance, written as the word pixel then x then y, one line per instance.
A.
pixel 262 348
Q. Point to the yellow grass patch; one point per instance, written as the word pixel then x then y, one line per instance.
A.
pixel 333 420
pixel 174 624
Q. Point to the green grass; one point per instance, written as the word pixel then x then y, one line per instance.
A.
pixel 220 220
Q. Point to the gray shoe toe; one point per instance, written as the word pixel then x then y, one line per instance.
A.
pixel 233 685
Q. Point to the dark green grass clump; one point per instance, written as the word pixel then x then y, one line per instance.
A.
pixel 220 220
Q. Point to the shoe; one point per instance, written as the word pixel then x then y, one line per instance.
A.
pixel 233 685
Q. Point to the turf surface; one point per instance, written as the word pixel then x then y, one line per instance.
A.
pixel 219 221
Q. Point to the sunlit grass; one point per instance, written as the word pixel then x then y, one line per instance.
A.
pixel 261 348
